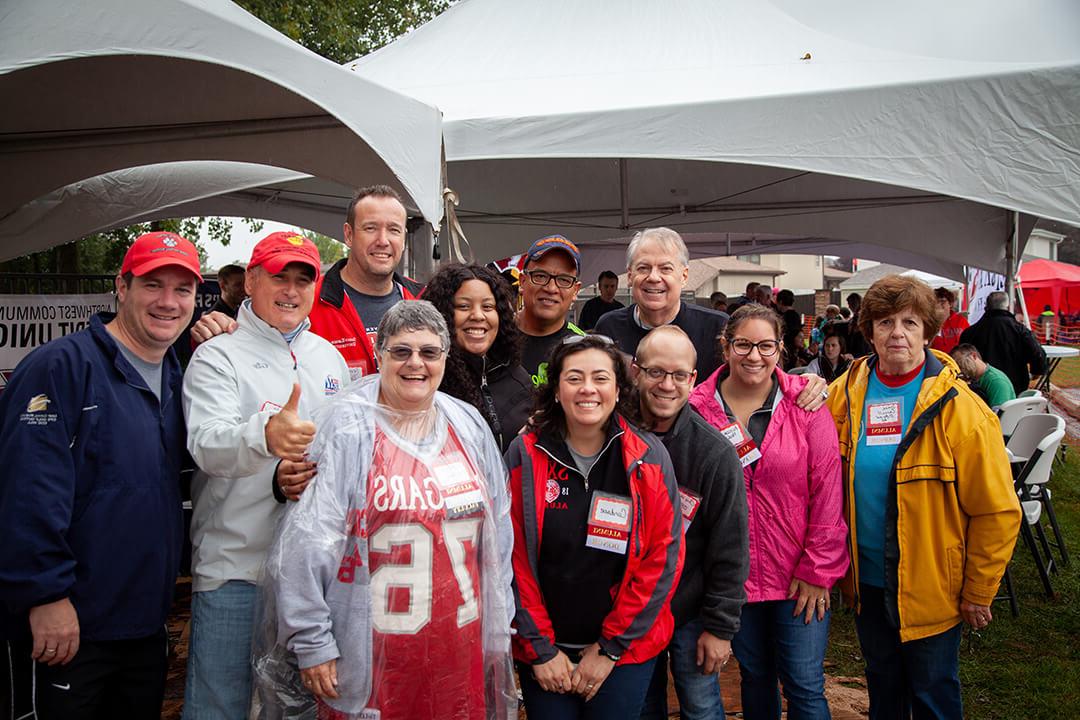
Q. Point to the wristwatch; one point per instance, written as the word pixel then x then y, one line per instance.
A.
pixel 609 656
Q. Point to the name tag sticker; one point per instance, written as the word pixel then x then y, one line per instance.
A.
pixel 609 523
pixel 460 489
pixel 883 423
pixel 743 443
pixel 691 503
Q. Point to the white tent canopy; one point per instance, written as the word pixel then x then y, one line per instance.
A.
pixel 914 128
pixel 99 87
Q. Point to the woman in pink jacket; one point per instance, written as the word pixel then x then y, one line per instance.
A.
pixel 791 465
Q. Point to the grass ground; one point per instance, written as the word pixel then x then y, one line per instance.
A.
pixel 1024 667
pixel 1068 373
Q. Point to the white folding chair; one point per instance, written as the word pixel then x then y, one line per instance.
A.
pixel 1032 392
pixel 1036 473
pixel 1029 433
pixel 1010 412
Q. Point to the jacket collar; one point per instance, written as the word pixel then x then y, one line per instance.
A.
pixel 170 366
pixel 332 287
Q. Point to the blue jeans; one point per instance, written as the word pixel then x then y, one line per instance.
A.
pixel 699 695
pixel 620 696
pixel 916 679
pixel 772 645
pixel 219 657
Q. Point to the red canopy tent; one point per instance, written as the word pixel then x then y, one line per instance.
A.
pixel 1046 282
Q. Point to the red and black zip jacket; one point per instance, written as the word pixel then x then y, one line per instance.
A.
pixel 335 319
pixel 639 624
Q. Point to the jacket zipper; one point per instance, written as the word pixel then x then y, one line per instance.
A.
pixel 602 451
pixel 489 402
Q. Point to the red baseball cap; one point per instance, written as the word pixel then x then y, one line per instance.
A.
pixel 278 249
pixel 154 250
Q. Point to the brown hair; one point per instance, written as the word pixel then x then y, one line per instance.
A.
pixel 895 293
pixel 384 191
pixel 753 311
pixel 548 414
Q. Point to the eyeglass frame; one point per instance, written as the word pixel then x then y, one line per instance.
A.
pixel 415 351
pixel 649 370
pixel 573 279
pixel 731 344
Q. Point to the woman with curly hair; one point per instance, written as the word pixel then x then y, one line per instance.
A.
pixel 484 364
pixel 597 541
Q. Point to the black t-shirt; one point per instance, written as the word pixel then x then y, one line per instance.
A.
pixel 594 309
pixel 536 350
pixel 371 308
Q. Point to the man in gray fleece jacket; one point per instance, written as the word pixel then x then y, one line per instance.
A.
pixel 710 595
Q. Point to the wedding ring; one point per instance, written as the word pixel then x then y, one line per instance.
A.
pixel 824 394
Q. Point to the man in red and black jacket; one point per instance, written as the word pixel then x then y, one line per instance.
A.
pixel 374 230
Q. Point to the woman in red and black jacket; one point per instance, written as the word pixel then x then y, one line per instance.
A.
pixel 597 541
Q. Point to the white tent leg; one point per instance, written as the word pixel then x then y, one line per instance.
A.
pixel 1010 259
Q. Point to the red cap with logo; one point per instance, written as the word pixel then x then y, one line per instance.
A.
pixel 154 250
pixel 278 249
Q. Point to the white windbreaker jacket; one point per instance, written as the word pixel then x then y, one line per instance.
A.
pixel 233 385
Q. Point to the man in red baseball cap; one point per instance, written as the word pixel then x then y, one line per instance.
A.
pixel 91 441
pixel 248 401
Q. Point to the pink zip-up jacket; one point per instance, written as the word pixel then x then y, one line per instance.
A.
pixel 793 494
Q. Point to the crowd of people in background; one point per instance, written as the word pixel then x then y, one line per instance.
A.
pixel 411 501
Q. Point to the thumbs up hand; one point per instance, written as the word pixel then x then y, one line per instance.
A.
pixel 287 436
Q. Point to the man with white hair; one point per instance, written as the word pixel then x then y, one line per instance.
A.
pixel 658 264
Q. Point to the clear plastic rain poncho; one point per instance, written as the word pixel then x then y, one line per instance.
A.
pixel 395 563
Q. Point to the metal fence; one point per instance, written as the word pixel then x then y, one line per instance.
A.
pixel 54 284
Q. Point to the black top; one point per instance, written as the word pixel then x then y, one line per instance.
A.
pixel 579 582
pixel 792 322
pixel 507 397
pixel 536 349
pixel 717 550
pixel 593 309
pixel 1008 346
pixel 223 307
pixel 703 325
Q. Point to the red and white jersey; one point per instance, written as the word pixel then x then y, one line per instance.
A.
pixel 424 517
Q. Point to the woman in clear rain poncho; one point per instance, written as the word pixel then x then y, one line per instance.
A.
pixel 389 582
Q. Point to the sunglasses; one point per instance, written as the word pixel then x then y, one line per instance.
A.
pixel 575 339
pixel 428 353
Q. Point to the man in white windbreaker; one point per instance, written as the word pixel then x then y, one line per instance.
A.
pixel 248 400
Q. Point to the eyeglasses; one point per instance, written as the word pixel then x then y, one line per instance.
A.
pixel 681 377
pixel 542 278
pixel 766 348
pixel 575 339
pixel 428 353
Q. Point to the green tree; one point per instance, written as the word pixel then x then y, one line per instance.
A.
pixel 330 250
pixel 343 30
pixel 102 253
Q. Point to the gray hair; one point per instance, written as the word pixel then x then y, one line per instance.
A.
pixel 997 300
pixel 411 315
pixel 665 236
